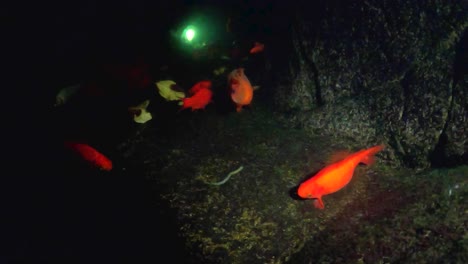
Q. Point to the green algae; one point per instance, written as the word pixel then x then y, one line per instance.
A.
pixel 384 215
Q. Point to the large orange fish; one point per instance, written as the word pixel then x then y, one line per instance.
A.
pixel 90 155
pixel 241 89
pixel 201 96
pixel 335 176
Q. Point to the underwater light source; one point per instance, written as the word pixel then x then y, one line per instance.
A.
pixel 189 33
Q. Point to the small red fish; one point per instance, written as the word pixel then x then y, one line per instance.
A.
pixel 90 155
pixel 201 97
pixel 335 176
pixel 258 47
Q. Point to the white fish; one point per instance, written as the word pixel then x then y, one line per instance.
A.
pixel 169 90
pixel 140 115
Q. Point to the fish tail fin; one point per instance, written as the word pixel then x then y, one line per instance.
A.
pixel 369 158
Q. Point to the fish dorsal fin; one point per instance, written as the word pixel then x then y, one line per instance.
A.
pixel 368 160
pixel 338 156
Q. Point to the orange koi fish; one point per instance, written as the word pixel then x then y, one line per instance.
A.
pixel 90 155
pixel 335 176
pixel 241 89
pixel 202 95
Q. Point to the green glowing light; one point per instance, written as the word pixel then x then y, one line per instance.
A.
pixel 189 33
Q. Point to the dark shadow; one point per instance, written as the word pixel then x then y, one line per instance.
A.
pixel 460 67
pixel 66 212
pixel 438 158
pixel 293 191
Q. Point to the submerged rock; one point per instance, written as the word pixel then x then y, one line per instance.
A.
pixel 382 70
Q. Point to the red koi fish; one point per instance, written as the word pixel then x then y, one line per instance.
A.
pixel 90 155
pixel 202 95
pixel 258 47
pixel 241 88
pixel 335 176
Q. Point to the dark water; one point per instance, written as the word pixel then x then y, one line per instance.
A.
pixel 56 209
pixel 60 211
